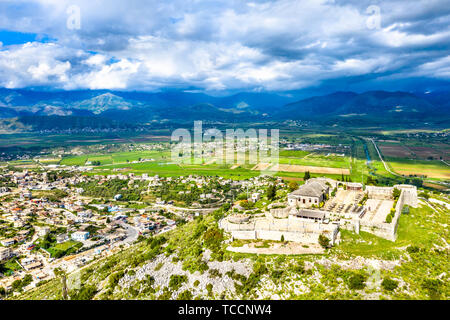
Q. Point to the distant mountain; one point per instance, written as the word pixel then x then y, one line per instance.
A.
pixel 165 105
pixel 368 107
pixel 314 107
pixel 104 102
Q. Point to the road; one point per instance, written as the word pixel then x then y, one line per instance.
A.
pixel 173 209
pixel 381 159
pixel 398 175
pixel 132 232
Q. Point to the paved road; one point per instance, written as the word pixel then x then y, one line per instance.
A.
pixel 132 232
pixel 384 163
pixel 172 208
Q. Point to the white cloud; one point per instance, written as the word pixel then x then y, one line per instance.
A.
pixel 271 45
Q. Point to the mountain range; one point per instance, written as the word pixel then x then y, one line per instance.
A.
pixel 372 107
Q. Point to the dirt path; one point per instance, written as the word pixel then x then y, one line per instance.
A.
pixel 289 248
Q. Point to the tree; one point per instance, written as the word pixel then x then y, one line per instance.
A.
pixel 324 241
pixel 307 176
pixel 271 192
pixel 293 185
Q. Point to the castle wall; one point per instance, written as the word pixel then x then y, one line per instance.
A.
pixel 381 193
pixel 386 230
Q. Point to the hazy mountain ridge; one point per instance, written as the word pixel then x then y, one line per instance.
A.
pixel 141 107
pixel 373 106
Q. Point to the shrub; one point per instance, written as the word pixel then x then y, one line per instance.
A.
pixel 413 249
pixel 214 273
pixel 114 278
pixel 209 288
pixel 84 293
pixel 166 295
pixel 424 195
pixel 389 284
pixel 298 268
pixel 213 238
pixel 185 295
pixel 324 241
pixel 357 282
pixel 293 185
pixel 433 287
pixel 277 274
pixel 389 218
pixel 159 266
pixel 176 281
pixel 396 193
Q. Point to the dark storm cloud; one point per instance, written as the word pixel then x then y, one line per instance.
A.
pixel 225 45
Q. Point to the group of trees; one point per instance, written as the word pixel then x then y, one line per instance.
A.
pixel 18 285
pixel 345 178
pixel 112 187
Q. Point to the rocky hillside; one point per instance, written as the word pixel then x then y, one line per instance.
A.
pixel 191 262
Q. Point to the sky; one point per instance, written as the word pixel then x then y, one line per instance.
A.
pixel 225 45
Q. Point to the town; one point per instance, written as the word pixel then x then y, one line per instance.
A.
pixel 62 218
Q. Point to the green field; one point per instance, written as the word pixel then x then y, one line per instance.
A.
pixel 431 169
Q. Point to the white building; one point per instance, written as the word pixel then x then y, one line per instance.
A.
pixel 311 193
pixel 80 236
pixel 256 196
pixel 44 231
pixel 5 254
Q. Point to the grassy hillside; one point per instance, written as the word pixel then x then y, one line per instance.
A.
pixel 191 262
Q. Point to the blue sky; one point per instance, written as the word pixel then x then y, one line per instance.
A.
pixel 225 45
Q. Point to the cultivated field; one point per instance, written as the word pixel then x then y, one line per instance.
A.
pixel 311 169
pixel 435 169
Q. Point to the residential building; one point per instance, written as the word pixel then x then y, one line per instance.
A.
pixel 80 236
pixel 5 254
pixel 309 194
